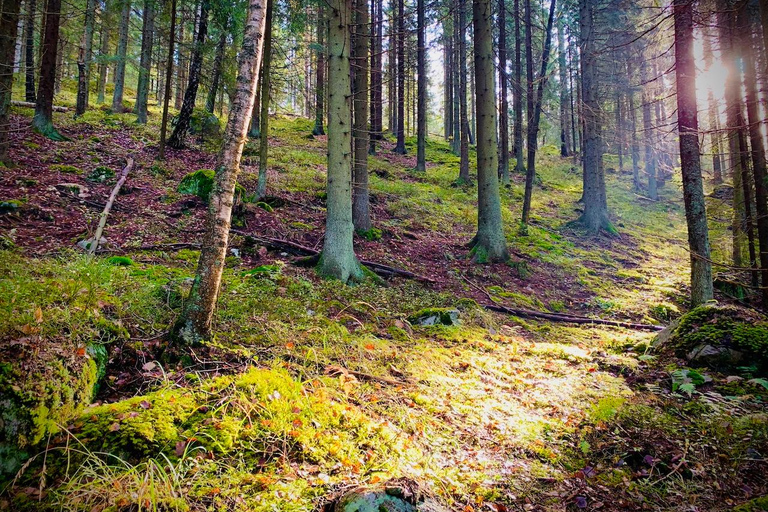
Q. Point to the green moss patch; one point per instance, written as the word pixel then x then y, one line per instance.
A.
pixel 201 182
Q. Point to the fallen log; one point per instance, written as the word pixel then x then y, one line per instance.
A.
pixel 29 104
pixel 293 247
pixel 573 319
pixel 103 220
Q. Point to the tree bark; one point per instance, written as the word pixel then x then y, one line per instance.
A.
pixel 179 134
pixel 565 132
pixel 266 92
pixel 456 82
pixel 338 258
pixel 42 122
pixel 463 117
pixel 106 20
pixel 635 145
pixel 489 244
pixel 688 128
pixel 145 64
pixel 534 117
pixel 320 74
pixel 168 80
pixel 400 145
pixel 421 122
pixel 218 63
pixel 650 154
pixel 86 56
pixel 9 22
pixel 29 54
pixel 377 33
pixel 196 320
pixel 504 104
pixel 517 90
pixel 361 215
pixel 122 49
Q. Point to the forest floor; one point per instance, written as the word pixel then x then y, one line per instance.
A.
pixel 311 386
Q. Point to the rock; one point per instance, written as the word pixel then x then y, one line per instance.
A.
pixel 86 244
pixel 723 192
pixel 435 316
pixel 394 498
pixel 714 357
pixel 80 191
pixel 202 123
pixel 9 206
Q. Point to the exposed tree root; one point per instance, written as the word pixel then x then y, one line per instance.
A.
pixel 573 319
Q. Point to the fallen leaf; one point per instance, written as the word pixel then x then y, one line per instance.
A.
pixel 114 427
pixel 148 367
pixel 39 315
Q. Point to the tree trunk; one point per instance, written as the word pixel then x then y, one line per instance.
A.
pixel 688 128
pixel 320 74
pixel 463 117
pixel 361 215
pixel 650 154
pixel 106 20
pixel 517 89
pixel 182 68
pixel 218 63
pixel 122 48
pixel 447 77
pixel 86 56
pixel 489 244
pixel 145 64
pixel 421 122
pixel 757 153
pixel 338 258
pixel 196 321
pixel 392 72
pixel 43 119
pixel 635 145
pixel 595 216
pixel 400 145
pixel 535 116
pixel 29 56
pixel 377 34
pixel 9 22
pixel 565 135
pixel 255 131
pixel 168 79
pixel 266 92
pixel 456 83
pixel 190 95
pixel 504 104
pixel 619 140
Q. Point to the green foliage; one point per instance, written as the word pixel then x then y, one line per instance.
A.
pixel 264 206
pixel 120 261
pixel 686 380
pixel 264 271
pixel 100 174
pixel 372 235
pixel 66 169
pixel 606 408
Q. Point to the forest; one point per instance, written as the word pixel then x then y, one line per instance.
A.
pixel 383 255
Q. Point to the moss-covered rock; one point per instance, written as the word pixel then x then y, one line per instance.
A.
pixel 435 316
pixel 201 182
pixel 10 206
pixel 202 123
pixel 719 337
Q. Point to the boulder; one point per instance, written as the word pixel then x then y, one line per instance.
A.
pixel 202 123
pixel 388 498
pixel 435 316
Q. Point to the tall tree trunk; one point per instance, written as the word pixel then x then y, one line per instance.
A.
pixel 650 154
pixel 635 145
pixel 183 67
pixel 29 54
pixel 42 122
pixel 218 63
pixel 595 216
pixel 122 49
pixel 196 321
pixel 713 115
pixel 688 128
pixel 456 82
pixel 338 258
pixel 168 80
pixel 190 95
pixel 529 107
pixel 517 89
pixel 255 131
pixel 463 118
pixel 106 21
pixel 565 135
pixel 320 74
pixel 421 123
pixel 504 104
pixel 447 77
pixel 85 58
pixel 377 34
pixel 361 215
pixel 145 64
pixel 619 139
pixel 9 22
pixel 489 244
pixel 535 116
pixel 266 94
pixel 392 71
pixel 757 153
pixel 400 145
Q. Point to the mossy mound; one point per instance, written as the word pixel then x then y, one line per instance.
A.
pixel 435 316
pixel 720 337
pixel 201 182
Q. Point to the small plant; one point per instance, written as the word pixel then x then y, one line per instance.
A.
pixel 120 261
pixel 372 235
pixel 100 174
pixel 66 169
pixel 686 380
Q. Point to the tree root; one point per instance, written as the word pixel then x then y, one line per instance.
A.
pixel 573 319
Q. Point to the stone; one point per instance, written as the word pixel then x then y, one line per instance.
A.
pixel 435 316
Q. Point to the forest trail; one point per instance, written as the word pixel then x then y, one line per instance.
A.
pixel 494 413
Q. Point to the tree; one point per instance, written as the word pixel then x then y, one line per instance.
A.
pixel 104 30
pixel 29 53
pixel 122 49
pixel 688 129
pixel 400 145
pixel 42 122
pixel 504 106
pixel 86 56
pixel 361 215
pixel 461 30
pixel 595 216
pixel 489 244
pixel 320 72
pixel 196 320
pixel 533 117
pixel 145 65
pixel 517 90
pixel 190 95
pixel 218 64
pixel 338 258
pixel 377 34
pixel 266 78
pixel 650 153
pixel 565 132
pixel 421 129
pixel 168 76
pixel 9 22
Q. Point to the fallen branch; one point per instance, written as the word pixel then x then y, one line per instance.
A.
pixel 334 371
pixel 293 247
pixel 103 221
pixel 29 104
pixel 573 319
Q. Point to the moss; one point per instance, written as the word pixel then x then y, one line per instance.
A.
pixel 10 206
pixel 201 182
pixel 100 174
pixel 372 235
pixel 120 261
pixel 66 169
pixel 435 316
pixel 754 505
pixel 264 206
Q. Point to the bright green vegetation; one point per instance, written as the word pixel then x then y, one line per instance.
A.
pixel 200 183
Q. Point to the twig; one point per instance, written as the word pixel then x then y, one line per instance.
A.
pixel 103 221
